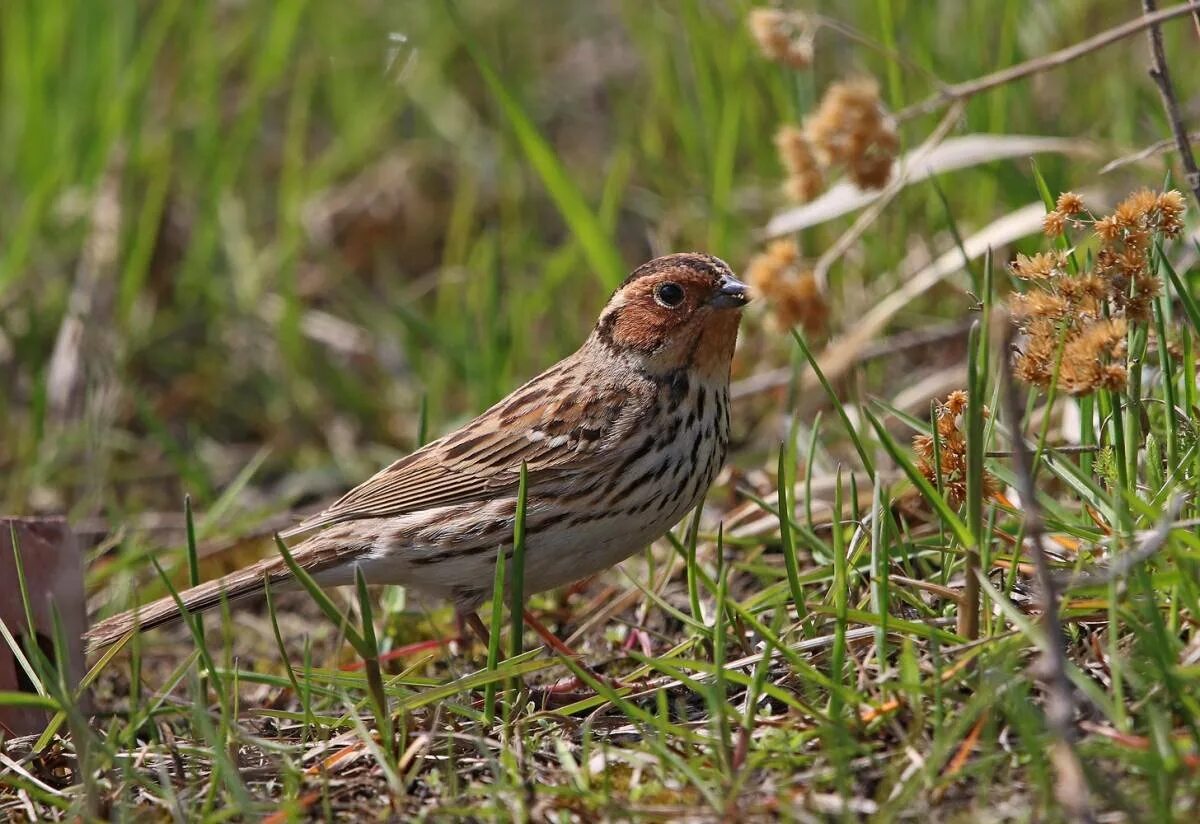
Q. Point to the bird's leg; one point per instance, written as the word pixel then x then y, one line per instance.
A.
pixel 570 687
pixel 552 641
pixel 471 620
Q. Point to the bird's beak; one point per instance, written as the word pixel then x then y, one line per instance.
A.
pixel 731 294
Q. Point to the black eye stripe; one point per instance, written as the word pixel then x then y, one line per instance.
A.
pixel 668 294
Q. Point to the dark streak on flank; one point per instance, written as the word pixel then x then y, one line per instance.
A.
pixel 637 455
pixel 628 488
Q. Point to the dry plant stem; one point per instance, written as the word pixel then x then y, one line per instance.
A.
pixel 1061 450
pixel 872 212
pixel 970 88
pixel 1158 147
pixel 1161 76
pixel 1071 788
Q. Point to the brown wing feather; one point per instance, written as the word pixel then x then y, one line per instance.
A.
pixel 547 423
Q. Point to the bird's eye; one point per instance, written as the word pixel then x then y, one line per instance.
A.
pixel 669 295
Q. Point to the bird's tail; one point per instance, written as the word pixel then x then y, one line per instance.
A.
pixel 315 555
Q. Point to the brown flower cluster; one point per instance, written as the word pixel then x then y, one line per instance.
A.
pixel 850 129
pixel 951 451
pixel 805 178
pixel 1087 314
pixel 780 276
pixel 783 36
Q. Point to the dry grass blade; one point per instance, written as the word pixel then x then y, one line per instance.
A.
pixel 920 164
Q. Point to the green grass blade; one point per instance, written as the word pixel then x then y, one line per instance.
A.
pixel 868 465
pixel 583 222
pixel 322 600
pixel 516 587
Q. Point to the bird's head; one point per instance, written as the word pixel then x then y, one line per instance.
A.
pixel 676 311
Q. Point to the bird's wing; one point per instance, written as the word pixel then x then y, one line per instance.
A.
pixel 559 427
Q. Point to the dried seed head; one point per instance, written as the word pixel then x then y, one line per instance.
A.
pixel 951 468
pixel 1033 371
pixel 1087 314
pixel 803 188
pixel 1041 266
pixel 783 36
pixel 851 128
pixel 955 405
pixel 1170 207
pixel 1107 229
pixel 1113 376
pixel 874 169
pixel 788 287
pixel 1040 304
pixel 1069 203
pixel 1137 239
pixel 1139 308
pixel 1147 285
pixel 802 304
pixel 1054 224
pixel 1086 356
pixel 805 180
pixel 1094 287
pixel 1132 261
pixel 767 268
pixel 1131 213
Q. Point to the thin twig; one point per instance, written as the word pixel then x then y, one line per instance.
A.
pixel 970 88
pixel 1161 76
pixel 1156 148
pixel 1071 789
pixel 1070 449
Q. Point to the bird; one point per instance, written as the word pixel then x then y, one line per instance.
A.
pixel 619 440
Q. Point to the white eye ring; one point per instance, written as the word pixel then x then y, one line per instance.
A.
pixel 668 295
